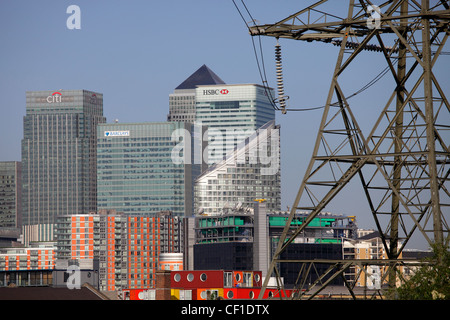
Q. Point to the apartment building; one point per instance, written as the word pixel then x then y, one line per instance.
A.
pixel 30 266
pixel 123 249
pixel 367 247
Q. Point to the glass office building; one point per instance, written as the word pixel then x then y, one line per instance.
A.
pixel 10 191
pixel 59 145
pixel 145 168
pixel 182 100
pixel 231 113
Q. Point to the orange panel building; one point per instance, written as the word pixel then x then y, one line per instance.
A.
pixel 127 248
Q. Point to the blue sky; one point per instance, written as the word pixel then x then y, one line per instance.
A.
pixel 136 52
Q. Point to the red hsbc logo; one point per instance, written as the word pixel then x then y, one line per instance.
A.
pixel 215 92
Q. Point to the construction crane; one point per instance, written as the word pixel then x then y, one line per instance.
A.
pixel 403 161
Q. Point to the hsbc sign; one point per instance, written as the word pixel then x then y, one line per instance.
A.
pixel 211 92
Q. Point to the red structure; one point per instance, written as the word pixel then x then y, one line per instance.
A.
pixel 208 285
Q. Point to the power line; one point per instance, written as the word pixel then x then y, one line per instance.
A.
pixel 263 74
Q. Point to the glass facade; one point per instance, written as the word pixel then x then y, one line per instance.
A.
pixel 182 100
pixel 137 171
pixel 182 106
pixel 10 191
pixel 59 156
pixel 251 171
pixel 231 113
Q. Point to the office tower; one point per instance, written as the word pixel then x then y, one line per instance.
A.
pixel 145 168
pixel 10 194
pixel 251 171
pixel 59 173
pixel 231 113
pixel 182 100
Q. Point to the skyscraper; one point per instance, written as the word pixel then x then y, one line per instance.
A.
pixel 10 191
pixel 251 171
pixel 182 100
pixel 145 168
pixel 59 173
pixel 231 113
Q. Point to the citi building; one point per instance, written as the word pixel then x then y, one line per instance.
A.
pixel 59 145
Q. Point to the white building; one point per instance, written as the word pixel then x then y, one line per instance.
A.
pixel 231 113
pixel 251 171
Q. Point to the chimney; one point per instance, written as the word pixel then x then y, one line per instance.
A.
pixel 162 285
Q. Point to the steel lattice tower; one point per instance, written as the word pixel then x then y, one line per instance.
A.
pixel 403 162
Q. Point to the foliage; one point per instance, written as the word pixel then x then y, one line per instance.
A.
pixel 431 281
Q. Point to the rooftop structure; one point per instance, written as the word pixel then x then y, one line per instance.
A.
pixel 182 102
pixel 203 76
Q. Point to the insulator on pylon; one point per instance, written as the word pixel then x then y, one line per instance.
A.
pixel 280 86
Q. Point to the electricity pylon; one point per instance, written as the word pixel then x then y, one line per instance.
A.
pixel 403 162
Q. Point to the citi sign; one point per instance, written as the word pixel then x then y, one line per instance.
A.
pixel 211 92
pixel 55 97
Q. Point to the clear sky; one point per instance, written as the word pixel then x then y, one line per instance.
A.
pixel 136 52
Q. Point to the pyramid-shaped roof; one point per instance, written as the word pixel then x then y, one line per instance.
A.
pixel 203 76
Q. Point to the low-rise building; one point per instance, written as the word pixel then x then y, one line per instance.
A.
pixel 368 246
pixel 207 285
pixel 29 266
pixel 244 239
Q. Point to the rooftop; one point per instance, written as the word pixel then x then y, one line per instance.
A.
pixel 203 76
pixel 86 292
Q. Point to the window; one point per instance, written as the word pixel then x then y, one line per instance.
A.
pixel 228 280
pixel 247 279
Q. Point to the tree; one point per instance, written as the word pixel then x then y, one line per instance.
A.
pixel 431 281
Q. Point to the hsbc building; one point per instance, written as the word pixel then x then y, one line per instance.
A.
pixel 232 112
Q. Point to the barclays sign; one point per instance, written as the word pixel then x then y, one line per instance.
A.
pixel 117 133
